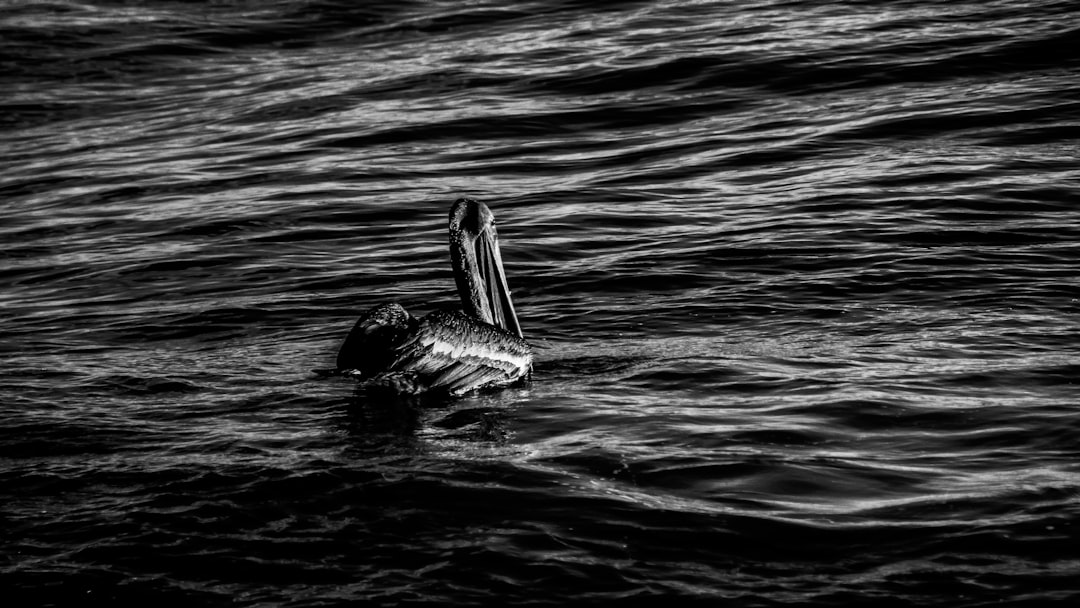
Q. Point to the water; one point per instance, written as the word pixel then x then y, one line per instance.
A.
pixel 801 279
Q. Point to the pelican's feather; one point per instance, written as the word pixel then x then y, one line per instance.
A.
pixel 462 354
pixel 374 338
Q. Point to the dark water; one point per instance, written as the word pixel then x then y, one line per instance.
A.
pixel 801 278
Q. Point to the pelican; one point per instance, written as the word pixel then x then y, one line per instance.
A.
pixel 447 352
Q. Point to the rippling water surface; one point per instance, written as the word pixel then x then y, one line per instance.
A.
pixel 801 278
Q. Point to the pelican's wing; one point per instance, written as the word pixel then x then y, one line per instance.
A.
pixel 372 344
pixel 461 354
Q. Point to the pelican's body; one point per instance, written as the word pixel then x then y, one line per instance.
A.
pixel 451 352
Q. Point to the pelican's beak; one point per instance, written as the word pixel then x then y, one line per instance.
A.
pixel 496 291
pixel 478 267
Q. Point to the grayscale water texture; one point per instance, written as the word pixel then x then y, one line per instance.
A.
pixel 801 278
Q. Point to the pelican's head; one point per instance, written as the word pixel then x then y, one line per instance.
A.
pixel 478 267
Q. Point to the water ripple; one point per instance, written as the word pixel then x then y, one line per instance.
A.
pixel 799 276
